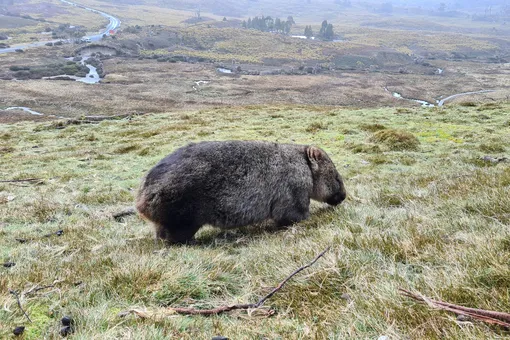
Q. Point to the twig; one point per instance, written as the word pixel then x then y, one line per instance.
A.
pixel 492 317
pixel 22 180
pixel 36 288
pixel 218 310
pixel 127 212
pixel 222 309
pixel 15 293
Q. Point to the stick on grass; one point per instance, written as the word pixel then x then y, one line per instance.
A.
pixel 223 309
pixel 492 317
pixel 16 295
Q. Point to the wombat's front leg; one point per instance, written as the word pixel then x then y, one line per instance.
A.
pixel 294 213
pixel 290 219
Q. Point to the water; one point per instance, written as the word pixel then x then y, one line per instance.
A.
pixel 302 37
pixel 439 102
pixel 223 70
pixel 32 112
pixel 114 24
pixel 422 102
pixel 91 78
pixel 26 109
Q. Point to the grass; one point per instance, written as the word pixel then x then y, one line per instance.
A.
pixel 428 219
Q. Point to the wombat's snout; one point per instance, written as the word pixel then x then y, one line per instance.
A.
pixel 337 198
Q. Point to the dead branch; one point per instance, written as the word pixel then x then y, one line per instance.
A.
pixel 492 317
pixel 127 212
pixel 37 288
pixel 16 295
pixel 218 310
pixel 222 309
pixel 22 180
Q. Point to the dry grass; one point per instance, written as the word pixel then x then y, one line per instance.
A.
pixel 430 220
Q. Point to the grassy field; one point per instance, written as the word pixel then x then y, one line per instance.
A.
pixel 423 213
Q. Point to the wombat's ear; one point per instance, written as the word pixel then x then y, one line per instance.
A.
pixel 314 156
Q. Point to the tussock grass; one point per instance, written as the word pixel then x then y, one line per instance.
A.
pixel 426 218
pixel 396 139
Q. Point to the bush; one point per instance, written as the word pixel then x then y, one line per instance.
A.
pixel 396 140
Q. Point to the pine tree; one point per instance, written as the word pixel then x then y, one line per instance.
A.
pixel 308 32
pixel 323 28
pixel 329 34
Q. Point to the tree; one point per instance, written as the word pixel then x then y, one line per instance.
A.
pixel 278 25
pixel 329 34
pixel 323 28
pixel 286 28
pixel 308 32
pixel 291 20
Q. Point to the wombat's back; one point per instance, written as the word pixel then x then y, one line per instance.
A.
pixel 226 184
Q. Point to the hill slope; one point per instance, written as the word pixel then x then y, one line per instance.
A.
pixel 429 216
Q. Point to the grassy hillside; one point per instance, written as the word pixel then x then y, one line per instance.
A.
pixel 424 213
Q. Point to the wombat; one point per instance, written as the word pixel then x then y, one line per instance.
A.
pixel 235 183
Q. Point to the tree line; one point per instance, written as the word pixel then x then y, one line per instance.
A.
pixel 326 31
pixel 268 24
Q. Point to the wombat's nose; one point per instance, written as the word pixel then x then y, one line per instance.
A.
pixel 337 198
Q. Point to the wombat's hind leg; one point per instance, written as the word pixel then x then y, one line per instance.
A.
pixel 176 235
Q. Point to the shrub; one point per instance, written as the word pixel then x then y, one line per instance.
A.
pixel 396 140
pixel 372 127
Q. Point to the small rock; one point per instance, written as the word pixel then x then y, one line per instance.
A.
pixel 9 264
pixel 383 337
pixel 59 233
pixel 346 296
pixel 463 318
pixel 219 337
pixel 494 160
pixel 18 330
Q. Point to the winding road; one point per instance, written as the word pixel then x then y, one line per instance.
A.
pixel 114 24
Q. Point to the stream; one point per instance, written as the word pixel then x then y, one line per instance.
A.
pixel 114 24
pixel 29 110
pixel 438 102
pixel 91 78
